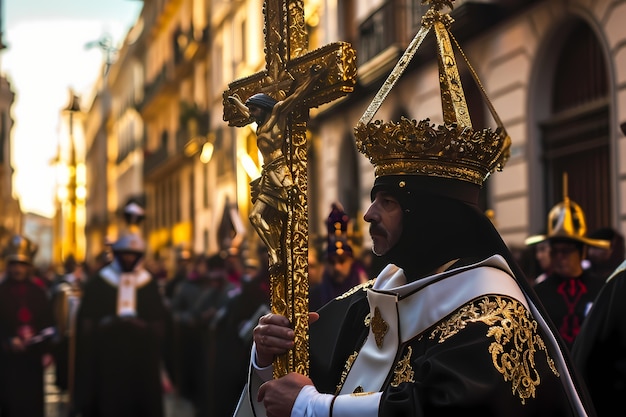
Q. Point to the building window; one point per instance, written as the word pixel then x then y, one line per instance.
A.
pixel 376 33
pixel 417 11
pixel 205 186
pixel 575 137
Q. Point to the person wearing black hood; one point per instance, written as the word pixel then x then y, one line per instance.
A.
pixel 450 326
pixel 120 325
pixel 599 351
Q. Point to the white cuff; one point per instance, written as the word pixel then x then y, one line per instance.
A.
pixel 311 403
pixel 357 405
pixel 266 373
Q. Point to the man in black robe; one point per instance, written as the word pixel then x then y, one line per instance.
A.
pixel 26 331
pixel 231 336
pixel 450 327
pixel 599 351
pixel 120 325
pixel 568 291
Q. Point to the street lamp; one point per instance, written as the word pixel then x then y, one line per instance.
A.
pixel 72 233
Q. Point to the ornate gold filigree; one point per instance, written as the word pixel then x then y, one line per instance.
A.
pixel 288 64
pixel 452 150
pixel 360 287
pixel 403 371
pixel 346 369
pixel 516 341
pixel 449 151
pixel 379 328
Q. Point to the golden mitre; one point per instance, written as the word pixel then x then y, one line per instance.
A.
pixel 453 150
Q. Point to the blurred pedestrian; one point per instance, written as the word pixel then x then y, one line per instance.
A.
pixel 569 290
pixel 341 271
pixel 316 268
pixel 540 247
pixel 231 336
pixel 184 259
pixel 66 293
pixel 120 326
pixel 214 306
pixel 26 331
pixel 602 261
pixel 599 351
pixel 186 342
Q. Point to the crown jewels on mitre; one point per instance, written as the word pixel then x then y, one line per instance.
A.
pixel 419 148
pixel 453 150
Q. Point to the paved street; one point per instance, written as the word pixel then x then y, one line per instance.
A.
pixel 57 403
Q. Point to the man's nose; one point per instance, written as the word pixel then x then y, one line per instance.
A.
pixel 371 214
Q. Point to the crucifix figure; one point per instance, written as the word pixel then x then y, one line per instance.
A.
pixel 293 81
pixel 272 189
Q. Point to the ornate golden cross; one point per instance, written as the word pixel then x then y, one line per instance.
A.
pixel 288 66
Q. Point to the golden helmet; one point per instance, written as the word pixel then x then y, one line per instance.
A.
pixel 566 220
pixel 20 249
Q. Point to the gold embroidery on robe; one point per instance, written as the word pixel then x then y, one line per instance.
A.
pixel 346 369
pixel 515 340
pixel 364 287
pixel 361 393
pixel 379 328
pixel 403 371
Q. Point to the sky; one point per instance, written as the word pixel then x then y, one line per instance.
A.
pixel 46 56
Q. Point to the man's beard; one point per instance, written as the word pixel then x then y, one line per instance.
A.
pixel 435 233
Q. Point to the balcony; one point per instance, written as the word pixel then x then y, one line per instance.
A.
pixel 152 89
pixel 385 34
pixel 376 33
pixel 153 160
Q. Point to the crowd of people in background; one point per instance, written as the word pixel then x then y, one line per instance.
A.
pixel 187 331
pixel 190 331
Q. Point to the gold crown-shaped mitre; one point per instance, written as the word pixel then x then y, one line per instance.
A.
pixel 453 150
pixel 419 148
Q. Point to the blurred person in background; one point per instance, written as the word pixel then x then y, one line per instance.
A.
pixel 602 262
pixel 187 333
pixel 231 334
pixel 569 291
pixel 342 270
pixel 316 268
pixel 540 248
pixel 183 265
pixel 120 325
pixel 26 332
pixel 599 351
pixel 66 293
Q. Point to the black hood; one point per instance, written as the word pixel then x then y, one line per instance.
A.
pixel 441 222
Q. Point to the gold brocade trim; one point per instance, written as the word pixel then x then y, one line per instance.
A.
pixel 364 287
pixel 379 327
pixel 403 371
pixel 361 393
pixel 516 340
pixel 346 370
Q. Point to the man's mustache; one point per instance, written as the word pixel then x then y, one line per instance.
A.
pixel 377 230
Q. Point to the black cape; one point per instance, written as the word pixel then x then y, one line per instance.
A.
pixel 599 351
pixel 119 359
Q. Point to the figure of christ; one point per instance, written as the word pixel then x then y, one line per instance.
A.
pixel 271 190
